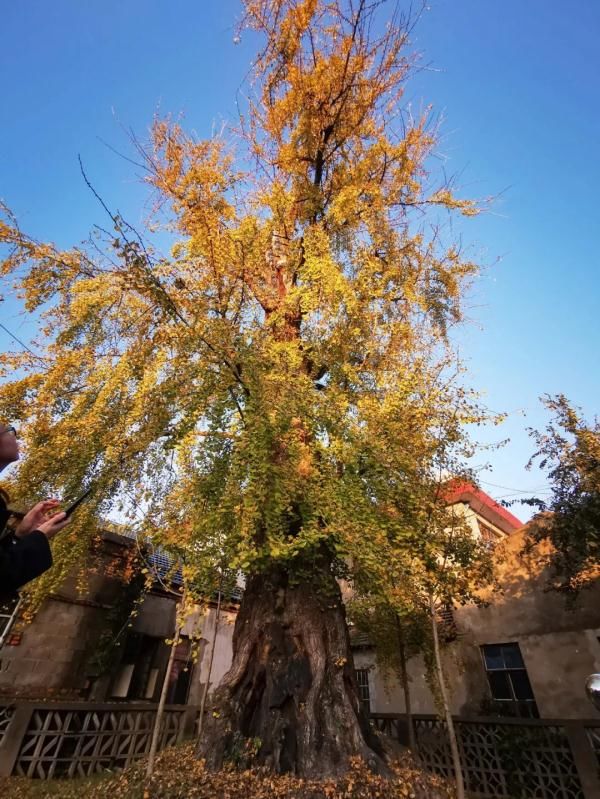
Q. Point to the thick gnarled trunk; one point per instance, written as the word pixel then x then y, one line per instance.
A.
pixel 290 701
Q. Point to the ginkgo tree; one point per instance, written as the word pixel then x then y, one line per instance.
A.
pixel 233 387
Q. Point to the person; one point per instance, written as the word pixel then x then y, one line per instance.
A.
pixel 25 549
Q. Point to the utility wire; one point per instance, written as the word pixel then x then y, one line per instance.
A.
pixel 543 487
pixel 22 343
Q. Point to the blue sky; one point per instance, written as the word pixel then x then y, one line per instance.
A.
pixel 516 83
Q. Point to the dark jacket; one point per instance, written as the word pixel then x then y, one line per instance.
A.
pixel 21 559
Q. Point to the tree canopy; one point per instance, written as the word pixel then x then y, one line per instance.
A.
pixel 569 450
pixel 296 330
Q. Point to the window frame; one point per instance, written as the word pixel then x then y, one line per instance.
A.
pixel 523 707
pixel 364 687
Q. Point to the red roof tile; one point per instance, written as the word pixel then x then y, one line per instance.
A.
pixel 483 504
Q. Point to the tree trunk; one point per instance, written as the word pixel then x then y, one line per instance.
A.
pixel 210 665
pixel 460 785
pixel 412 743
pixel 290 700
pixel 161 706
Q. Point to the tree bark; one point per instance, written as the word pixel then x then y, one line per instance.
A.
pixel 412 744
pixel 290 700
pixel 460 785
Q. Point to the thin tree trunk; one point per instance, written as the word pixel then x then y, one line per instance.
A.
pixel 161 706
pixel 460 785
pixel 412 743
pixel 210 665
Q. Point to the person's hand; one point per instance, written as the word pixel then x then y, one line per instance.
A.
pixel 54 524
pixel 36 516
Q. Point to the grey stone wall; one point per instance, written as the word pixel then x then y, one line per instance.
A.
pixel 49 659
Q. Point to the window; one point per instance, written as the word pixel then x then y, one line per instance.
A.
pixel 142 669
pixel 362 679
pixel 507 677
pixel 139 670
pixel 488 536
pixel 181 674
pixel 447 623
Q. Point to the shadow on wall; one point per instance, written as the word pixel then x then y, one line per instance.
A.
pixel 523 602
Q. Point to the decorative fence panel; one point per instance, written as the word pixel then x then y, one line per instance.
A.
pixel 6 714
pixel 501 758
pixel 593 734
pixel 516 758
pixel 80 739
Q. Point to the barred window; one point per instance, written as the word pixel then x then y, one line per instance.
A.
pixel 362 678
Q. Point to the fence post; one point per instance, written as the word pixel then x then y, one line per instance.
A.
pixel 585 759
pixel 13 738
pixel 187 725
pixel 403 732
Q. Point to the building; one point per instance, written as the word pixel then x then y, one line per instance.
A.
pixel 92 647
pixel 524 654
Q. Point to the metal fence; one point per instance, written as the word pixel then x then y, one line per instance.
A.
pixel 516 758
pixel 79 739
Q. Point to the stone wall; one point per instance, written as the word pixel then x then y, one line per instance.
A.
pixel 48 656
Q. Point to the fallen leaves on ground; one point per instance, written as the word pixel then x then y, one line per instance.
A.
pixel 179 775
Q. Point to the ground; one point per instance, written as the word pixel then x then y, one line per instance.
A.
pixel 179 775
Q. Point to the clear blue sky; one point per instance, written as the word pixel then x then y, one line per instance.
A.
pixel 517 82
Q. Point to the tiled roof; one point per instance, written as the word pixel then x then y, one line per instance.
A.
pixel 162 564
pixel 482 503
